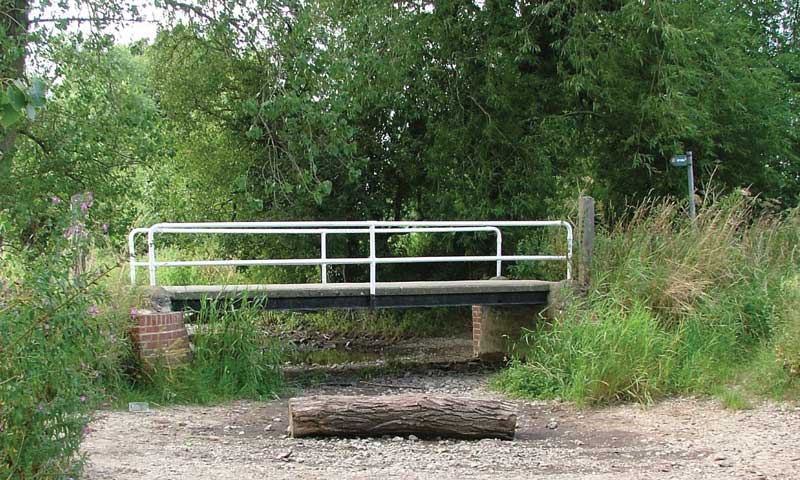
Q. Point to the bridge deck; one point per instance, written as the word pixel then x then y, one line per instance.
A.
pixel 356 295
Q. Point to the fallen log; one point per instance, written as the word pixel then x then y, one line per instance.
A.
pixel 418 414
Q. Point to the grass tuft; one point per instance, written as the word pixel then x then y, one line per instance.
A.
pixel 733 399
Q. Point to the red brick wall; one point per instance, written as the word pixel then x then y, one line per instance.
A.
pixel 160 338
pixel 477 314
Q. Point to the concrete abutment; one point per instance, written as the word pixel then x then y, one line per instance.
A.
pixel 496 329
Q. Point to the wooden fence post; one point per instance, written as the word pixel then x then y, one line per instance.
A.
pixel 586 223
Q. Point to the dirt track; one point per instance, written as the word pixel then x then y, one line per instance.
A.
pixel 681 438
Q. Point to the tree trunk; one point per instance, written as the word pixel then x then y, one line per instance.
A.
pixel 14 20
pixel 418 414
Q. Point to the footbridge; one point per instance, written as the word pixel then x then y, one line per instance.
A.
pixel 376 293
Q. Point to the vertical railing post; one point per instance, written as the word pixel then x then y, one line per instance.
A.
pixel 499 253
pixel 372 270
pixel 151 255
pixel 569 249
pixel 324 256
pixel 132 256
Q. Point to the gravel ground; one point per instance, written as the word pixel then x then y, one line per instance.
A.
pixel 676 439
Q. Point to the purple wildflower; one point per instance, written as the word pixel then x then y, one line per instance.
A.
pixel 84 200
pixel 104 227
pixel 134 312
pixel 77 230
pixel 55 200
pixel 93 310
pixel 82 398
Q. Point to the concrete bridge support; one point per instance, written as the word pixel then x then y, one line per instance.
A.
pixel 496 329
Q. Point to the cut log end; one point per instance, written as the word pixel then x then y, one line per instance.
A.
pixel 414 414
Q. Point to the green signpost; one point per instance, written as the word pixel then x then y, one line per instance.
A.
pixel 685 160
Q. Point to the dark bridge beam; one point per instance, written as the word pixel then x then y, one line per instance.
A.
pixel 306 297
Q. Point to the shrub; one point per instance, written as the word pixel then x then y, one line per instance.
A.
pixel 57 348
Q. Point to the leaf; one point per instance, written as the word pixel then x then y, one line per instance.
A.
pixel 326 187
pixel 9 116
pixel 16 97
pixel 250 107
pixel 241 183
pixel 256 204
pixel 37 92
pixel 255 133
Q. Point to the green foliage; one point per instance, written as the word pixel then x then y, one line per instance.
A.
pixel 99 128
pixel 19 102
pixel 623 355
pixel 60 348
pixel 787 345
pixel 232 358
pixel 734 400
pixel 676 308
pixel 365 110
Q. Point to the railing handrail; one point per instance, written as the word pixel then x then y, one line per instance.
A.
pixel 324 228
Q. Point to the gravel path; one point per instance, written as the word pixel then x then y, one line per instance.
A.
pixel 676 439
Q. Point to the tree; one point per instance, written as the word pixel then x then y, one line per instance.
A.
pixel 97 125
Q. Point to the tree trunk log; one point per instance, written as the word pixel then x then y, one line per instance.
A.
pixel 418 414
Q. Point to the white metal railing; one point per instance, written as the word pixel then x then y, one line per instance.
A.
pixel 323 229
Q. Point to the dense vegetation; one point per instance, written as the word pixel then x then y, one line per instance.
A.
pixel 376 110
pixel 707 307
pixel 355 109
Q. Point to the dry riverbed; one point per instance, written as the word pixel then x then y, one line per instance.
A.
pixel 678 439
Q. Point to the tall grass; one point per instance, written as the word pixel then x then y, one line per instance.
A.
pixel 676 307
pixel 232 358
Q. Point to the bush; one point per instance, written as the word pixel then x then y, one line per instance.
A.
pixel 57 349
pixel 676 307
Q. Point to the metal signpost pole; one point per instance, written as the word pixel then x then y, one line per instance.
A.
pixel 690 167
pixel 685 160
